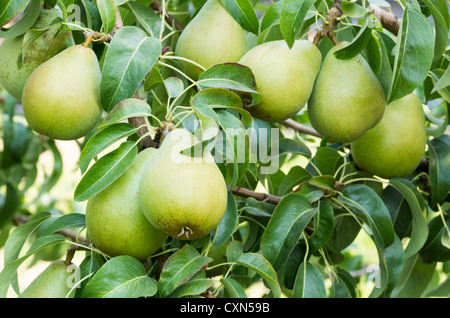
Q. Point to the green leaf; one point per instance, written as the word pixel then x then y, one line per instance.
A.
pixel 290 218
pixel 25 23
pixel 358 44
pixel 323 226
pixel 353 10
pixel 234 289
pixel 439 12
pixel 309 282
pixel 326 160
pixel 293 13
pixel 242 11
pixel 105 171
pixel 179 268
pixel 107 10
pixel 233 76
pixel 367 201
pixel 441 82
pixel 8 272
pixel 9 9
pixel 10 204
pixel 120 277
pixel 385 74
pixel 262 267
pixel 192 288
pixel 419 232
pixel 294 177
pixel 439 167
pixel 271 16
pixel 153 80
pixel 130 57
pixel 434 249
pixel 147 17
pixel 131 107
pixel 71 220
pixel 414 54
pixel 102 140
pixel 174 86
pixel 228 223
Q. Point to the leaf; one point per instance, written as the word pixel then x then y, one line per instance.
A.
pixel 10 204
pixel 228 223
pixel 102 140
pixel 419 230
pixel 242 11
pixel 8 272
pixel 192 288
pixel 439 12
pixel 25 23
pixel 323 226
pixel 367 201
pixel 147 17
pixel 130 57
pixel 174 86
pixel 233 76
pixel 353 9
pixel 120 277
pixel 309 282
pixel 414 54
pixel 295 177
pixel 439 167
pixel 71 220
pixel 9 9
pixel 271 16
pixel 293 13
pixel 131 107
pixel 105 171
pixel 290 218
pixel 234 289
pixel 179 268
pixel 107 10
pixel 260 265
pixel 357 45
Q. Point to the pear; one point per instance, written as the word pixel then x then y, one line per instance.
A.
pixel 61 98
pixel 284 77
pixel 347 98
pixel 183 196
pixel 42 49
pixel 53 282
pixel 394 147
pixel 114 220
pixel 210 38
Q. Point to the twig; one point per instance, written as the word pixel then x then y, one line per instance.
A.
pixel 243 192
pixel 389 20
pixel 300 128
pixel 156 5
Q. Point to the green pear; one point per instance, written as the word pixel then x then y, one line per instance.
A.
pixel 61 98
pixel 394 147
pixel 284 77
pixel 212 37
pixel 347 98
pixel 114 220
pixel 183 196
pixel 42 49
pixel 53 282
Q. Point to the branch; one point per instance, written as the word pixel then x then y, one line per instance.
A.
pixel 300 128
pixel 256 195
pixel 389 20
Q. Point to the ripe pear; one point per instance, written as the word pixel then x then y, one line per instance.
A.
pixel 42 49
pixel 347 98
pixel 61 98
pixel 183 196
pixel 284 77
pixel 53 282
pixel 394 147
pixel 211 37
pixel 114 219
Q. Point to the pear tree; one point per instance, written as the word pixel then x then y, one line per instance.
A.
pixel 224 149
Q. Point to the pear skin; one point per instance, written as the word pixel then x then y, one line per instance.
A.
pixel 394 147
pixel 53 282
pixel 13 78
pixel 114 219
pixel 284 77
pixel 61 98
pixel 347 98
pixel 210 38
pixel 185 197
